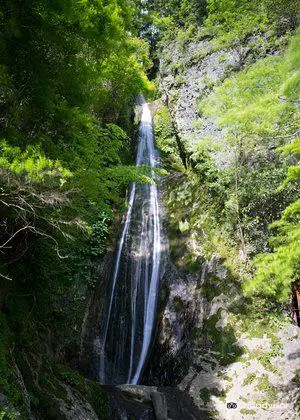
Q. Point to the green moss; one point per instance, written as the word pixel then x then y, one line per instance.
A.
pixel 265 360
pixel 213 414
pixel 264 357
pixel 214 286
pixel 262 322
pixel 194 265
pixel 206 393
pixel 177 67
pixel 52 390
pixel 180 80
pixel 208 291
pixel 244 360
pixel 174 96
pixel 250 378
pixel 70 376
pixel 267 388
pixel 249 412
pixel 222 58
pixel 296 378
pixel 92 391
pixel 49 397
pixel 179 305
pixel 197 124
pixel 223 342
pixel 197 57
pixel 165 138
pixel 98 399
pixel 258 322
pixel 211 290
pixel 184 35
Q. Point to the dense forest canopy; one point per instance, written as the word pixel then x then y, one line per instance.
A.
pixel 70 72
pixel 69 75
pixel 214 16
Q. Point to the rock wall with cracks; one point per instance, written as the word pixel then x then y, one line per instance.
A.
pixel 188 72
pixel 202 345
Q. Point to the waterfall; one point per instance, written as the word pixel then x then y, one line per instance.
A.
pixel 131 309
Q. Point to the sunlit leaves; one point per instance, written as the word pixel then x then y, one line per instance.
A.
pixel 31 163
pixel 276 271
pixel 70 72
pixel 259 110
pixel 232 20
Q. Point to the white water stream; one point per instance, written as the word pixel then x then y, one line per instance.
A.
pixel 131 312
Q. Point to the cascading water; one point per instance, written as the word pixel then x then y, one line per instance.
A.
pixel 131 310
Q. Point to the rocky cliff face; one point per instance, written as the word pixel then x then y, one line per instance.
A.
pixel 203 348
pixel 190 70
pixel 209 342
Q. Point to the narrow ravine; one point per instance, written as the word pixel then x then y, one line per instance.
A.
pixel 131 308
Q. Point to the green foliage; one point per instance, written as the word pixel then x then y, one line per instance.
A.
pixel 223 344
pixel 258 118
pixel 231 19
pixel 266 387
pixel 6 413
pixel 250 378
pixel 92 391
pixel 180 13
pixel 59 60
pixel 32 164
pixel 248 412
pixel 6 372
pixel 165 137
pixel 285 13
pixel 69 75
pixel 203 164
pixel 10 388
pixel 250 103
pixel 207 393
pixel 230 211
pixel 70 376
pixel 236 204
pixel 226 21
pixel 96 244
pixel 278 270
pixel 266 357
pixel 161 21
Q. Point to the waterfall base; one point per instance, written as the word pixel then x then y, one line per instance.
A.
pixel 153 403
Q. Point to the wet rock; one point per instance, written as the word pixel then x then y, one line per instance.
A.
pixel 138 393
pixel 140 402
pixel 73 407
pixel 3 399
pixel 160 405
